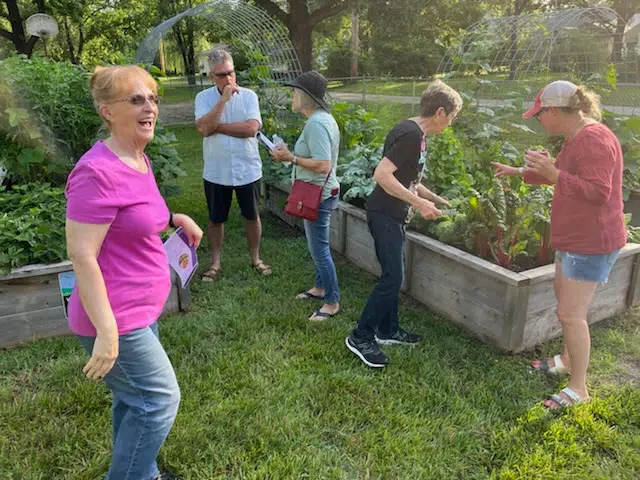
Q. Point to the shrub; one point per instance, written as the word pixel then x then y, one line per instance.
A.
pixel 51 119
pixel 31 225
pixel 48 121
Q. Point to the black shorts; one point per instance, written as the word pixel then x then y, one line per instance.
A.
pixel 219 198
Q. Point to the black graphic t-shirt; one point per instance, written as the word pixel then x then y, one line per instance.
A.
pixel 405 146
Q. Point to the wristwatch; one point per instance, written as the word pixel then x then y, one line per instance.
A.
pixel 521 170
pixel 295 160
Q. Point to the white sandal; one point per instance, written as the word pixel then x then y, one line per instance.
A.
pixel 574 399
pixel 558 369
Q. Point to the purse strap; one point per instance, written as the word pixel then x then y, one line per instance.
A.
pixel 293 172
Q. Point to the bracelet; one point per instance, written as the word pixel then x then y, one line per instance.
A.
pixel 520 170
pixel 295 160
pixel 171 224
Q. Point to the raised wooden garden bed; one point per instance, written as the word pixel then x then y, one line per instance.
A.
pixel 31 305
pixel 632 206
pixel 515 311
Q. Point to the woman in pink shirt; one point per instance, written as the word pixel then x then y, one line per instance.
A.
pixel 587 220
pixel 115 214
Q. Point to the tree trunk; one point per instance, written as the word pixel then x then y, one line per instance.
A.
pixel 17 34
pixel 80 43
pixel 300 33
pixel 355 39
pixel 518 8
pixel 300 23
pixel 67 34
pixel 191 54
pixel 301 39
pixel 625 11
pixel 177 34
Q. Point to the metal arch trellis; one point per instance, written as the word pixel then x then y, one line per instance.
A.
pixel 241 20
pixel 528 51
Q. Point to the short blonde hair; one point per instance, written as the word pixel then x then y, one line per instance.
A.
pixel 306 101
pixel 439 94
pixel 108 84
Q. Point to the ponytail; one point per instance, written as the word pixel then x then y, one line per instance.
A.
pixel 587 102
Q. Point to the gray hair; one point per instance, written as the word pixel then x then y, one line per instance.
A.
pixel 439 94
pixel 306 101
pixel 218 57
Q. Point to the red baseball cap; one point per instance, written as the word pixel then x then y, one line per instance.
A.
pixel 556 94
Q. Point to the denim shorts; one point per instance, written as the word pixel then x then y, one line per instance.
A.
pixel 587 267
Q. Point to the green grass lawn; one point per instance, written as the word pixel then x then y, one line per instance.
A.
pixel 268 395
pixel 624 95
pixel 181 94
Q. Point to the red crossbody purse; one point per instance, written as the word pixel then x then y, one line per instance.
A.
pixel 304 198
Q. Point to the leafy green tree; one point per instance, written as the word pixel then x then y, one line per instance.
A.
pixel 13 13
pixel 412 37
pixel 101 31
pixel 301 17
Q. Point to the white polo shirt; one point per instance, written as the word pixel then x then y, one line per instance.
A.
pixel 229 160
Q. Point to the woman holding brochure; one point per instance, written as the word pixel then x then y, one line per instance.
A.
pixel 114 216
pixel 587 220
pixel 314 160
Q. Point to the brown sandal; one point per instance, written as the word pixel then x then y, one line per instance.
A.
pixel 262 268
pixel 211 275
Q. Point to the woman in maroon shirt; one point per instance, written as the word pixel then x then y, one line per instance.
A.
pixel 587 220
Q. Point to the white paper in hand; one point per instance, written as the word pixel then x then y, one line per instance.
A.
pixel 265 141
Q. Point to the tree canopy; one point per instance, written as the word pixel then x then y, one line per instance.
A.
pixel 398 37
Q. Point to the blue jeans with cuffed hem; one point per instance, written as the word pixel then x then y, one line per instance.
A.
pixel 317 234
pixel 145 403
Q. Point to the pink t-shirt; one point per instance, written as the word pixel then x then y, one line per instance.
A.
pixel 103 189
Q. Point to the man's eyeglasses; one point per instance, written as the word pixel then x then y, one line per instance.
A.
pixel 224 74
pixel 139 100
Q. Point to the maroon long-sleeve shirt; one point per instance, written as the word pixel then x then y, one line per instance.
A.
pixel 587 210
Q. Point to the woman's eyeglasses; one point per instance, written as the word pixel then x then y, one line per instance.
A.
pixel 139 100
pixel 542 110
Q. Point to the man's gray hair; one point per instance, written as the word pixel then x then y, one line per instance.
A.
pixel 218 57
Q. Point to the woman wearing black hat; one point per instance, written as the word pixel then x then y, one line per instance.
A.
pixel 314 159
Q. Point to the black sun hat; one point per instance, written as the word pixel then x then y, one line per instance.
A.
pixel 314 84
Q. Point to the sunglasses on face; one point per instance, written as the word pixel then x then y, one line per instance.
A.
pixel 542 110
pixel 139 100
pixel 224 74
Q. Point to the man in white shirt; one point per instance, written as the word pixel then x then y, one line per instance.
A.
pixel 228 117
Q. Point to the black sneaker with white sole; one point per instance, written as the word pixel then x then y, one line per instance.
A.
pixel 368 351
pixel 400 337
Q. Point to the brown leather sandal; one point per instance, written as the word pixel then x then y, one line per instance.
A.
pixel 211 275
pixel 262 268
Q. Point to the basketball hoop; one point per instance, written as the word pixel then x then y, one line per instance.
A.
pixel 43 26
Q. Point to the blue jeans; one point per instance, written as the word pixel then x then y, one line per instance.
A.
pixel 145 403
pixel 317 234
pixel 381 311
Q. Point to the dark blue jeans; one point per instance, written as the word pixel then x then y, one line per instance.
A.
pixel 381 311
pixel 317 234
pixel 145 403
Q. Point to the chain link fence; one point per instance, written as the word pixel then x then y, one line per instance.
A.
pixel 624 100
